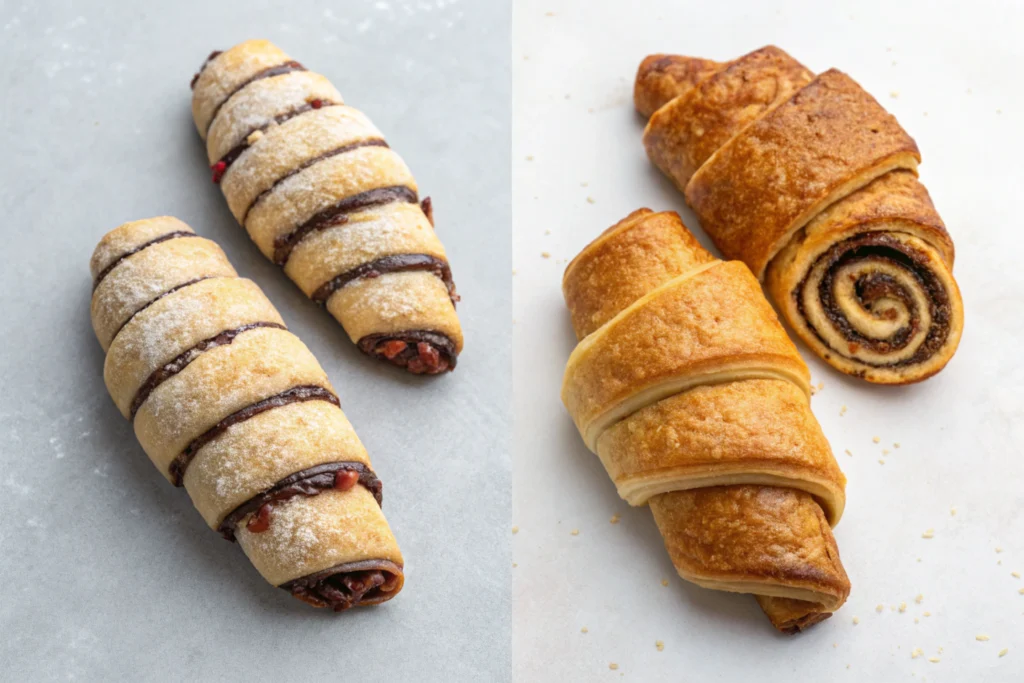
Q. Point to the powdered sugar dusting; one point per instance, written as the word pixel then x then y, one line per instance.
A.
pixel 297 199
pixel 259 104
pixel 228 71
pixel 284 148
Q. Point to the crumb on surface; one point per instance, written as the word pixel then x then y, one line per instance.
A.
pixel 849 453
pixel 842 411
pixel 952 512
pixel 926 614
pixel 529 157
pixel 919 598
pixel 613 666
pixel 664 582
pixel 885 451
pixel 660 645
pixel 575 532
pixel 879 607
pixel 515 529
pixel 615 519
pixel 856 620
pixel 584 630
pixel 903 607
pixel 881 462
pixel 934 660
pixel 1002 653
pixel 545 254
pixel 876 439
pixel 1015 575
pixel 591 200
pixel 916 652
pixel 981 636
pixel 894 94
pixel 896 445
pixel 929 533
pixel 999 549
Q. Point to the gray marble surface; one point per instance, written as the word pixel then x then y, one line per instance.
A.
pixel 106 571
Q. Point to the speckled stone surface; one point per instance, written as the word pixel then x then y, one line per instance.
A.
pixel 106 571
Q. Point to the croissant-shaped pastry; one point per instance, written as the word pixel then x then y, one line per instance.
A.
pixel 688 389
pixel 811 183
pixel 232 406
pixel 322 195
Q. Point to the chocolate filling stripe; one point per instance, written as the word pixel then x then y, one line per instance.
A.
pixel 307 482
pixel 237 150
pixel 195 77
pixel 162 374
pixel 152 301
pixel 372 142
pixel 395 263
pixel 269 72
pixel 297 394
pixel 156 240
pixel 337 214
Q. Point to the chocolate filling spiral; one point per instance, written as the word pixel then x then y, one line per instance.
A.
pixel 367 582
pixel 875 293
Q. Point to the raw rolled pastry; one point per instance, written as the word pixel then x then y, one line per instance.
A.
pixel 322 195
pixel 229 404
pixel 688 390
pixel 811 183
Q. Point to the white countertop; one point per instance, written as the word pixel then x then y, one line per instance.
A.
pixel 952 78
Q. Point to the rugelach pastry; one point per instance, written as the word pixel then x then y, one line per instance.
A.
pixel 232 406
pixel 323 196
pixel 697 403
pixel 813 185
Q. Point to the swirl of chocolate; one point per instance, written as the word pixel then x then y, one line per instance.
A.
pixel 421 352
pixel 874 300
pixel 368 582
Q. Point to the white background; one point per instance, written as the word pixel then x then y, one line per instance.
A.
pixel 955 71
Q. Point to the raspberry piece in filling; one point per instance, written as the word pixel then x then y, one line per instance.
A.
pixel 218 170
pixel 392 348
pixel 260 522
pixel 345 479
pixel 427 361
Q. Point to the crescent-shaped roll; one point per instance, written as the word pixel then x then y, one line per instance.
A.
pixel 688 390
pixel 231 405
pixel 813 185
pixel 322 194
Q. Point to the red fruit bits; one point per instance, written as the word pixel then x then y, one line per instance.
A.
pixel 260 522
pixel 316 104
pixel 345 479
pixel 218 170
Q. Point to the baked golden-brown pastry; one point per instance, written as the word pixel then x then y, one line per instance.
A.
pixel 689 391
pixel 232 406
pixel 813 185
pixel 322 195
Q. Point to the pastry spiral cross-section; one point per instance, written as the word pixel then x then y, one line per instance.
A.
pixel 232 406
pixel 813 185
pixel 689 391
pixel 322 195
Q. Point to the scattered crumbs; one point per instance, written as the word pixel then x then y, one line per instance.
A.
pixel 926 614
pixel 842 411
pixel 547 232
pixel 934 660
pixel 999 562
pixel 1015 575
pixel 896 445
pixel 916 620
pixel 856 620
pixel 575 532
pixel 952 512
pixel 514 271
pixel 814 390
pixel 584 630
pixel 591 200
pixel 881 462
pixel 529 157
pixel 835 644
pixel 885 451
pixel 660 645
pixel 894 94
pixel 821 385
pixel 664 582
pixel 849 453
pixel 999 549
pixel 930 533
pixel 1002 653
pixel 903 607
pixel 916 652
pixel 981 636
pixel 879 608
pixel 615 519
pixel 515 530
pixel 545 254
pixel 876 439
pixel 919 598
pixel 613 666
